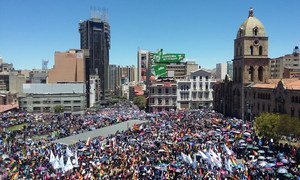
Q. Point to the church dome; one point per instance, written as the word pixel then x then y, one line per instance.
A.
pixel 251 27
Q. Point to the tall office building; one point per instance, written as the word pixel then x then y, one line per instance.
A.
pixel 230 68
pixel 287 66
pixel 69 67
pixel 95 36
pixel 221 71
pixel 142 64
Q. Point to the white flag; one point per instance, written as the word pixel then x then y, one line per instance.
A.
pixel 52 157
pixel 203 155
pixel 61 162
pixel 69 152
pixel 76 160
pixel 68 165
pixel 228 151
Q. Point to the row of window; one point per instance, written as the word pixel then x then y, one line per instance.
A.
pixel 54 102
pixel 295 99
pixel 185 96
pixel 167 101
pixel 48 109
pixel 263 96
pixel 186 87
pixel 195 77
pixel 163 90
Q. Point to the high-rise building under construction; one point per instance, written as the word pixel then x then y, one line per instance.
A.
pixel 95 36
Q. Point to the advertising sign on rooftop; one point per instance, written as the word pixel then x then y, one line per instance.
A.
pixel 159 57
pixel 159 70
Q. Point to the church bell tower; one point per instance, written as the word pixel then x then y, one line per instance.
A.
pixel 251 62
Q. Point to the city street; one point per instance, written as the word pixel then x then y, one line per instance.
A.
pixel 104 132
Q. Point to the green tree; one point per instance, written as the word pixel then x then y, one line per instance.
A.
pixel 58 109
pixel 289 125
pixel 267 125
pixel 140 101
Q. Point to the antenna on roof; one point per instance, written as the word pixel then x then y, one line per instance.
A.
pixel 45 64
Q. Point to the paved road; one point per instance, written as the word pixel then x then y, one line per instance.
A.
pixel 99 132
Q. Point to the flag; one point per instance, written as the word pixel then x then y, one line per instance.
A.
pixel 228 165
pixel 189 159
pixel 15 176
pixel 61 162
pixel 228 151
pixel 52 157
pixel 12 163
pixel 68 165
pixel 76 160
pixel 166 148
pixel 15 169
pixel 69 152
pixel 88 141
pixel 203 155
pixel 233 160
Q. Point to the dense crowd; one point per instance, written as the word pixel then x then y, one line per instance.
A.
pixel 170 145
pixel 55 126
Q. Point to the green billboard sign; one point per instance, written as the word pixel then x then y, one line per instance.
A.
pixel 159 70
pixel 159 57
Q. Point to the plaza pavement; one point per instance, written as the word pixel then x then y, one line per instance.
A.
pixel 104 132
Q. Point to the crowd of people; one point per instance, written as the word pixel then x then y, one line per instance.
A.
pixel 55 126
pixel 187 144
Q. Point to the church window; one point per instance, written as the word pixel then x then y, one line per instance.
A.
pixel 292 99
pixel 251 50
pixel 260 73
pixel 260 50
pixel 251 74
pixel 255 31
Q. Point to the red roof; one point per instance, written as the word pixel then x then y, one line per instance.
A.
pixel 8 107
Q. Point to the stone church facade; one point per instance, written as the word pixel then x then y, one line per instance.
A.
pixel 251 91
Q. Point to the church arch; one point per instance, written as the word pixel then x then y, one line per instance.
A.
pixel 260 73
pixel 260 50
pixel 251 73
pixel 251 50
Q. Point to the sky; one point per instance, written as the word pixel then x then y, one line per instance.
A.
pixel 32 30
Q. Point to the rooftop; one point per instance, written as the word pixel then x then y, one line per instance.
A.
pixel 292 84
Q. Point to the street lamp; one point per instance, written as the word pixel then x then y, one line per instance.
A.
pixel 249 111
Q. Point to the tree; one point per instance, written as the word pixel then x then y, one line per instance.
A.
pixel 275 125
pixel 58 109
pixel 289 125
pixel 267 125
pixel 140 101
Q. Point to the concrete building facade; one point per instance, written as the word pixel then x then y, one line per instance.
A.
pixel 44 97
pixel 16 81
pixel 162 95
pixel 38 76
pixel 69 67
pixel 142 64
pixel 290 62
pixel 94 94
pixel 229 69
pixel 221 71
pixel 195 91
